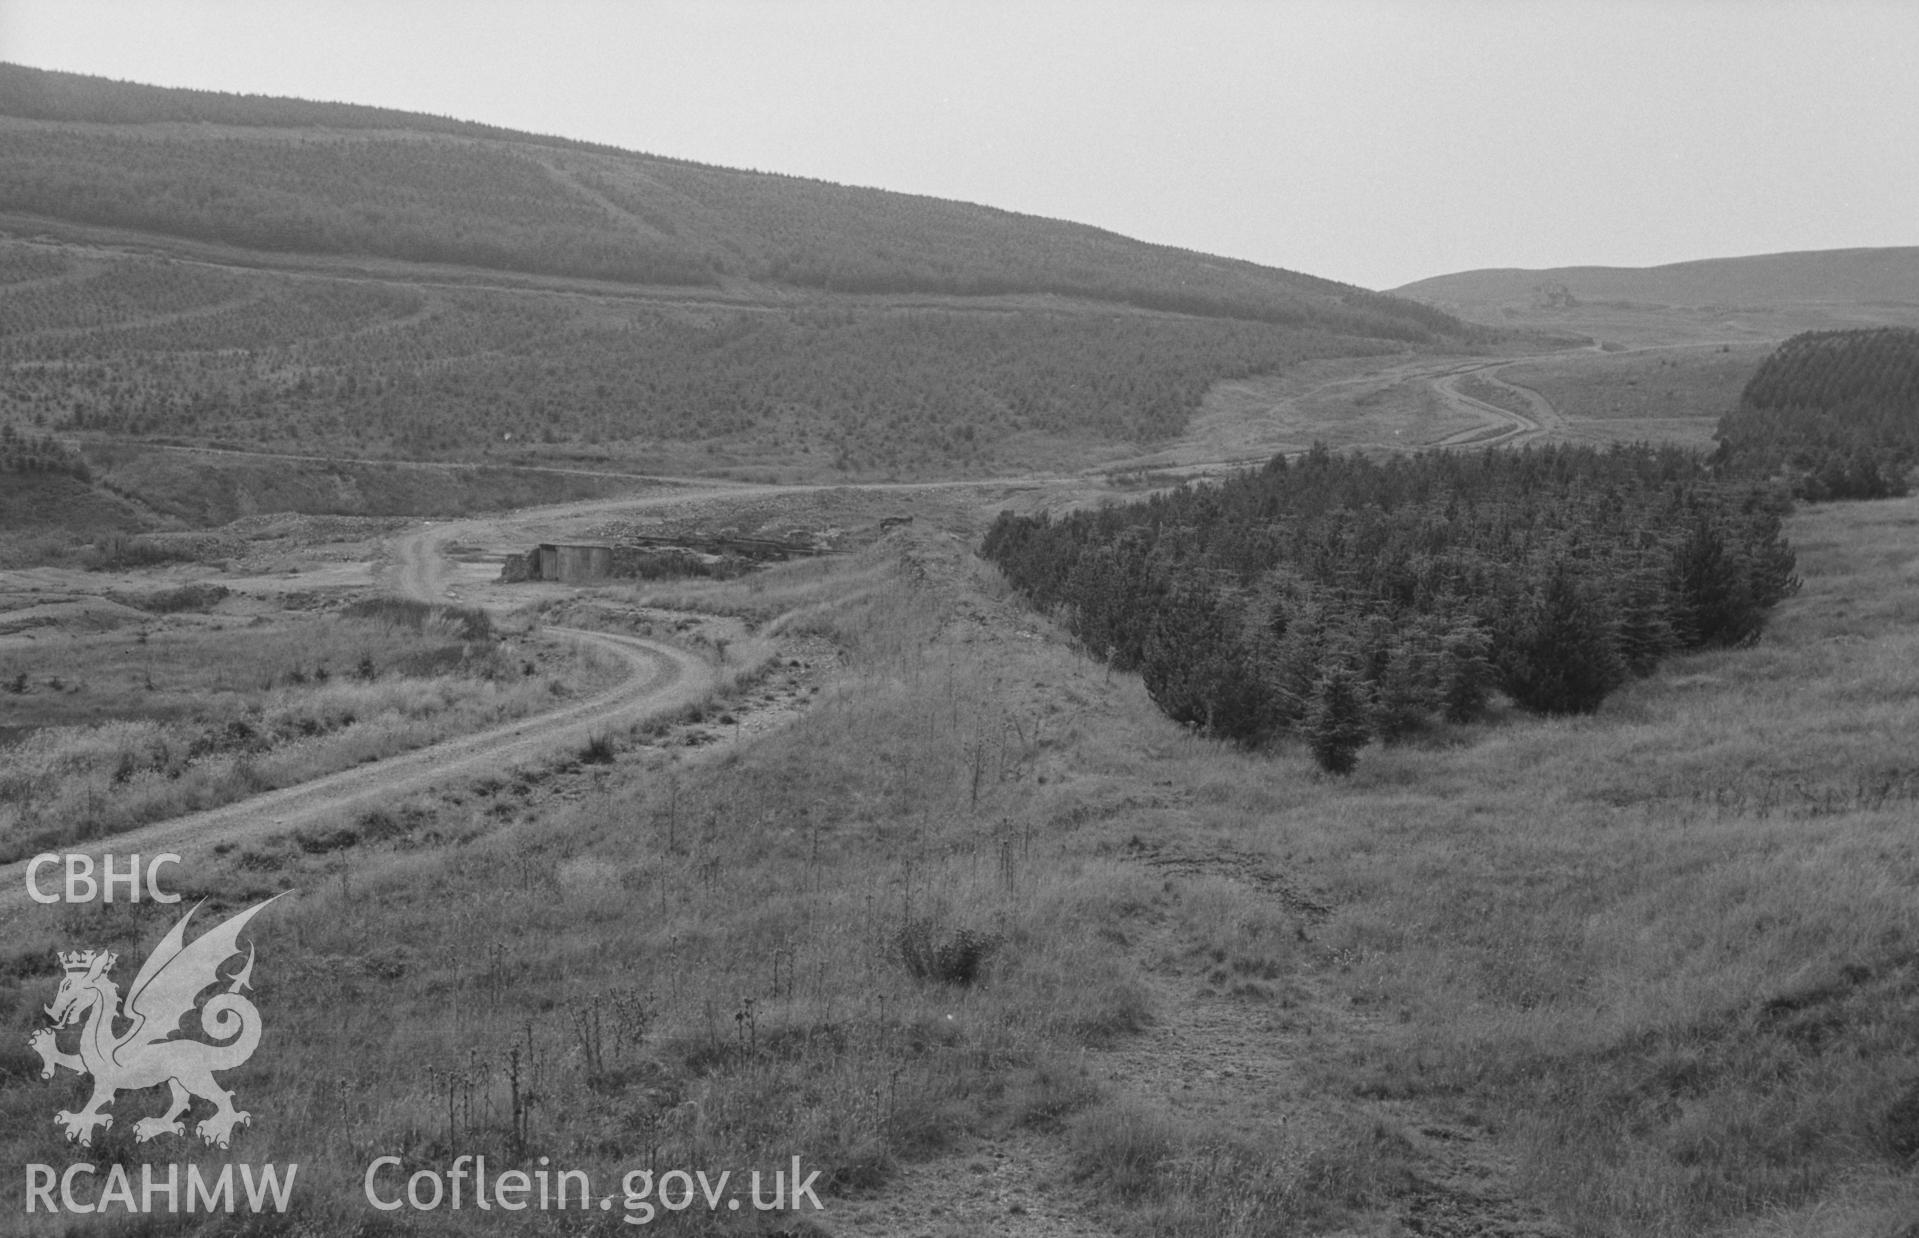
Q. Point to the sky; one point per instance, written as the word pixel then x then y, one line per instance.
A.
pixel 1371 141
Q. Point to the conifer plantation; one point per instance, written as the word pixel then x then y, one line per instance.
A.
pixel 1344 599
pixel 1834 412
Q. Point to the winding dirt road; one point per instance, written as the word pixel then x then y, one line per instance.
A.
pixel 660 679
pixel 1502 426
pixel 1385 407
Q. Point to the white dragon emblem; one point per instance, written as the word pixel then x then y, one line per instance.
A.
pixel 142 1055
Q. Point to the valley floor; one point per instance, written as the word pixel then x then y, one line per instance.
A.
pixel 998 949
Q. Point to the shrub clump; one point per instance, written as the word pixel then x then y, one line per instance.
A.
pixel 194 597
pixel 469 623
pixel 951 957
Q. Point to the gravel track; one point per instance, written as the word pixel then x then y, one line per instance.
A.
pixel 1504 427
pixel 660 678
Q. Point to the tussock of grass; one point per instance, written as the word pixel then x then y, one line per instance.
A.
pixel 200 596
pixel 1180 1178
pixel 956 956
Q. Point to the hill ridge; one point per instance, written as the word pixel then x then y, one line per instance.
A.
pixel 1852 273
pixel 333 178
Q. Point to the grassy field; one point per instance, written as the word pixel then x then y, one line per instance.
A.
pixel 1669 947
pixel 1656 394
pixel 1476 387
pixel 1647 972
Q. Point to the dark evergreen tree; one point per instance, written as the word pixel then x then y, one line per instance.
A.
pixel 1645 633
pixel 1562 657
pixel 1336 725
pixel 1465 673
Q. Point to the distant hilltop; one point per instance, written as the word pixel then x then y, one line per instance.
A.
pixel 1853 276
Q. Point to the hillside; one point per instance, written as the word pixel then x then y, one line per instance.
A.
pixel 1763 298
pixel 101 344
pixel 289 176
pixel 273 275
